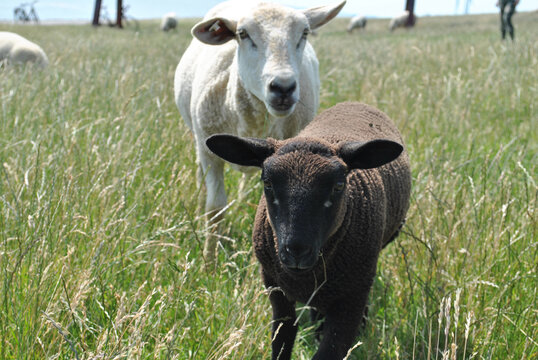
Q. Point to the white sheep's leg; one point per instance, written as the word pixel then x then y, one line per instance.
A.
pixel 212 168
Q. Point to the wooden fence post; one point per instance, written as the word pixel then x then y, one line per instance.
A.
pixel 96 13
pixel 410 6
pixel 119 14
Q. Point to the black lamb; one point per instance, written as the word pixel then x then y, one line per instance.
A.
pixel 334 196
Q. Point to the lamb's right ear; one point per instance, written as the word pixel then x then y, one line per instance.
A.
pixel 240 151
pixel 216 31
pixel 371 154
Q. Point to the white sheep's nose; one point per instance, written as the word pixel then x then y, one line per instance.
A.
pixel 283 95
pixel 283 87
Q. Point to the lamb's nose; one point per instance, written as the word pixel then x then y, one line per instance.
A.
pixel 295 253
pixel 282 87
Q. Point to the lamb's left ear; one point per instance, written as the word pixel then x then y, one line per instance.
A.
pixel 216 31
pixel 372 154
pixel 241 151
pixel 321 15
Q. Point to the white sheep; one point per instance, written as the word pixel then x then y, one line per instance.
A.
pixel 356 22
pixel 16 49
pixel 399 21
pixel 169 21
pixel 249 71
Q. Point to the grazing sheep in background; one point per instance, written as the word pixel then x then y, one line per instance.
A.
pixel 399 21
pixel 334 196
pixel 249 71
pixel 356 22
pixel 16 49
pixel 169 21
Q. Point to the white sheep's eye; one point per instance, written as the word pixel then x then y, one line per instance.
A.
pixel 243 35
pixel 303 38
pixel 339 186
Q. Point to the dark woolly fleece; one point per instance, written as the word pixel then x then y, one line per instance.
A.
pixel 376 204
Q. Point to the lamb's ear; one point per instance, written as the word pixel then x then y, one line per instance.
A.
pixel 216 31
pixel 372 154
pixel 240 151
pixel 323 14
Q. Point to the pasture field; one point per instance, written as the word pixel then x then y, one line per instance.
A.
pixel 101 228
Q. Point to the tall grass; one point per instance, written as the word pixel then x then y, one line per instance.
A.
pixel 101 229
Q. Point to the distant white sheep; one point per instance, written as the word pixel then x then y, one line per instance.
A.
pixel 249 71
pixel 169 21
pixel 15 49
pixel 356 22
pixel 399 21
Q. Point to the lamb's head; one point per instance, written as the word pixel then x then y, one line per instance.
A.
pixel 305 186
pixel 271 42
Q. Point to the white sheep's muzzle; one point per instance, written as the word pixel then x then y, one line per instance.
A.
pixel 282 97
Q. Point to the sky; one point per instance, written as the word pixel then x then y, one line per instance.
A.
pixel 144 9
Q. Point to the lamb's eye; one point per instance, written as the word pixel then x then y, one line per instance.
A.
pixel 339 186
pixel 267 185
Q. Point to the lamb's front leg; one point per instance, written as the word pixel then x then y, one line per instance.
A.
pixel 339 331
pixel 284 330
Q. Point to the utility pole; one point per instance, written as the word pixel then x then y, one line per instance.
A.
pixel 410 6
pixel 96 13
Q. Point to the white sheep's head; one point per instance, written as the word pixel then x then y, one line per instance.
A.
pixel 271 41
pixel 305 185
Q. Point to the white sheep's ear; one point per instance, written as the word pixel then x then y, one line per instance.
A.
pixel 372 154
pixel 241 151
pixel 216 31
pixel 321 15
